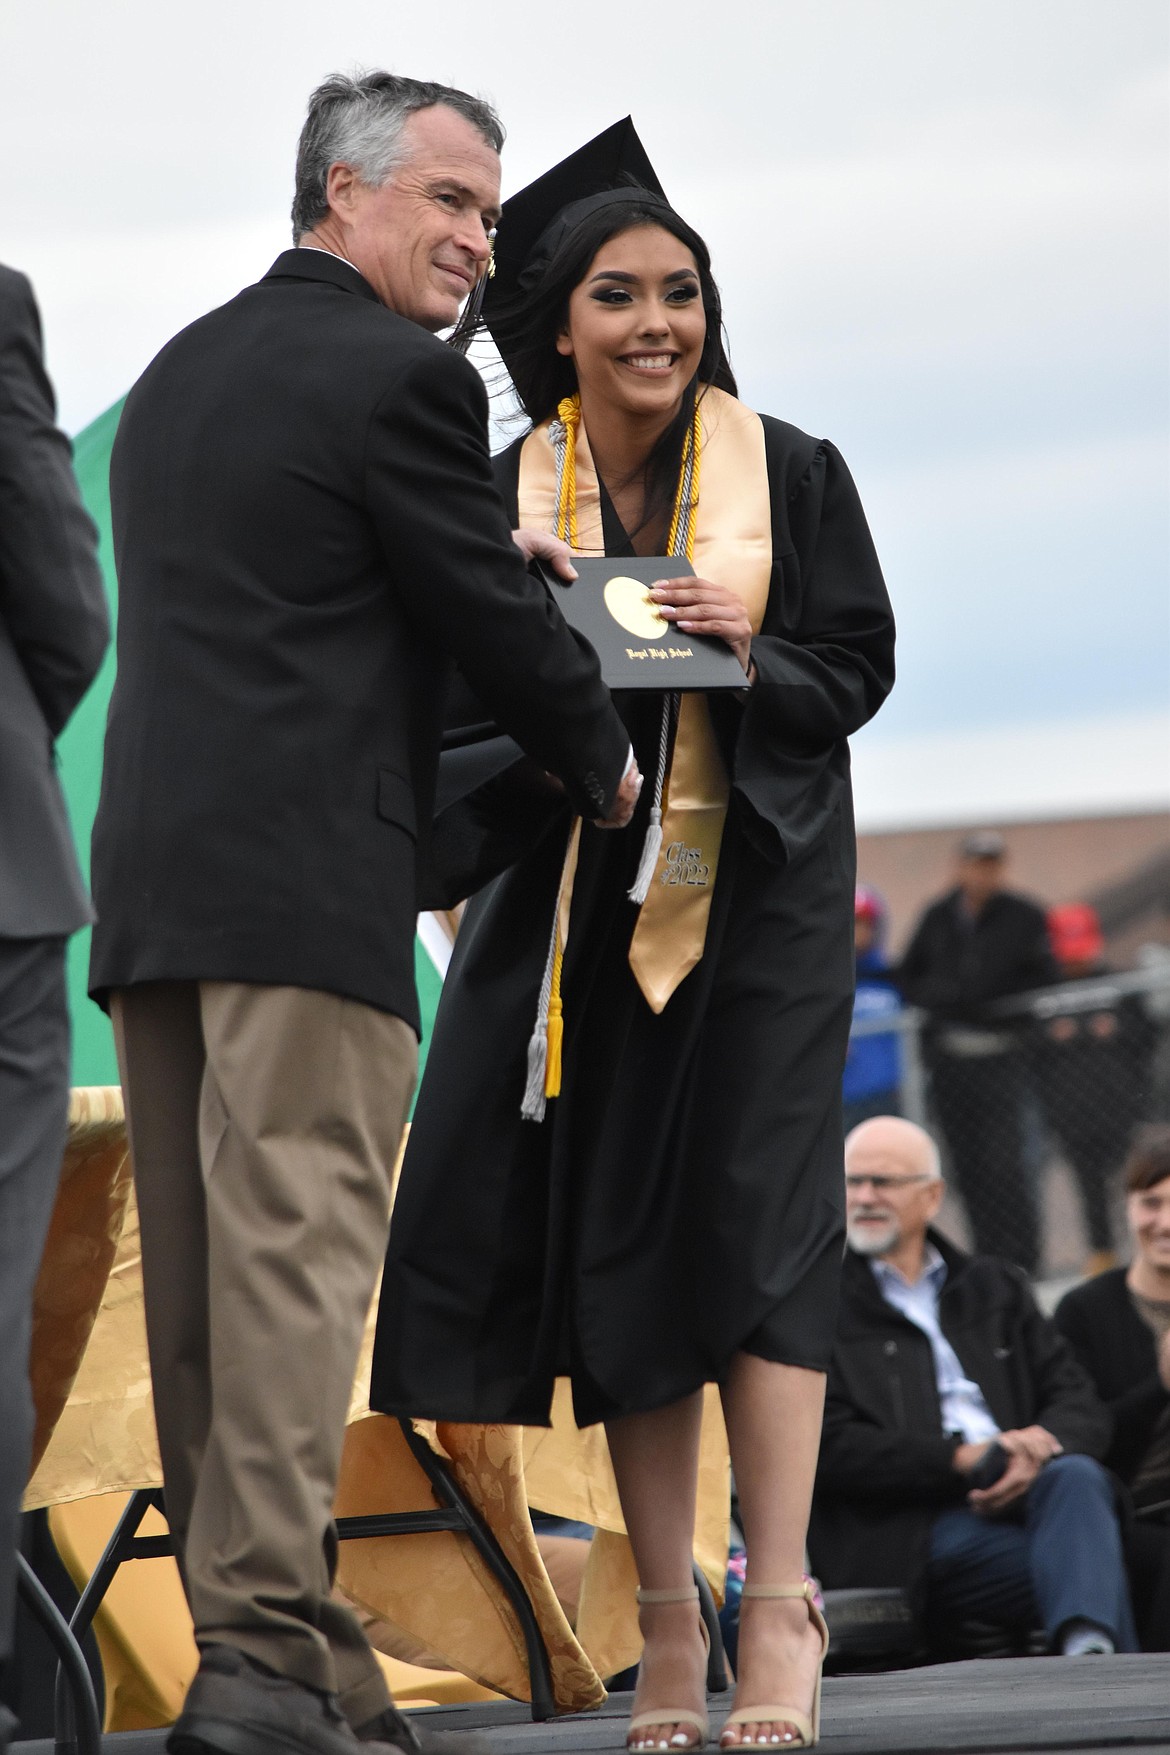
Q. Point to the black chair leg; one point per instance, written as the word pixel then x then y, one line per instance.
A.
pixel 90 1601
pixel 717 1680
pixel 86 1737
pixel 450 1493
pixel 115 1551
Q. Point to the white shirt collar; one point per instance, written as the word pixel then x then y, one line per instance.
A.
pixel 932 1263
pixel 322 251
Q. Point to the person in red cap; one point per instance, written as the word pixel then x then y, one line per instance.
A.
pixel 1092 1070
pixel 1078 943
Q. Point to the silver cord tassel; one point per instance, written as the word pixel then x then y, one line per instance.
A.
pixel 652 845
pixel 533 1106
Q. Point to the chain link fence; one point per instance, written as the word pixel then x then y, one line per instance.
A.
pixel 1034 1110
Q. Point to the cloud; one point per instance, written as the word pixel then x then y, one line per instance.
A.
pixel 940 232
pixel 1098 766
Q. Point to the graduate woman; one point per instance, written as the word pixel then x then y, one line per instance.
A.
pixel 626 1159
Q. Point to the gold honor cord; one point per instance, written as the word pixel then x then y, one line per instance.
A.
pixel 732 543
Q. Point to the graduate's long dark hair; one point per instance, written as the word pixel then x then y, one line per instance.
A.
pixel 527 326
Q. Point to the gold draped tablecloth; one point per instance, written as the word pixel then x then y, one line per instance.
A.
pixel 96 1436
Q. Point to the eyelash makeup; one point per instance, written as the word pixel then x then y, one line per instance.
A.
pixel 619 295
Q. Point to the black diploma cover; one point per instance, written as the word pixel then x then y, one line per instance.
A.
pixel 609 603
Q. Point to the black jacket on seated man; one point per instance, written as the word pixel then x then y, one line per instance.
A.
pixel 886 1469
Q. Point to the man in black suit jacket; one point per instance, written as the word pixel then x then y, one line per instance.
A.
pixel 53 632
pixel 307 534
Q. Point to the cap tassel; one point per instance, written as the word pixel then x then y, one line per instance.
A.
pixel 463 334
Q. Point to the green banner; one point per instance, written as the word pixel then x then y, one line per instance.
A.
pixel 80 756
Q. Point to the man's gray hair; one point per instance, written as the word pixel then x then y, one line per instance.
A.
pixel 358 120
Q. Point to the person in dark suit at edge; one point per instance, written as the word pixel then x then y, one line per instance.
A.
pixel 54 629
pixel 307 533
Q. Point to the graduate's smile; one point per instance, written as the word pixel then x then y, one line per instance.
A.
pixel 648 362
pixel 636 325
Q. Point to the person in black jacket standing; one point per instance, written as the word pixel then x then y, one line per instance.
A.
pixel 1118 1325
pixel 957 1460
pixel 54 628
pixel 307 533
pixel 1092 1055
pixel 977 944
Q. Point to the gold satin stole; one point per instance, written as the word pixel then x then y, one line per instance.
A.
pixel 732 546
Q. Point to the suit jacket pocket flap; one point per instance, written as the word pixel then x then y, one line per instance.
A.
pixel 396 800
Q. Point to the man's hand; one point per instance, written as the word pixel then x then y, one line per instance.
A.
pixel 1034 1441
pixel 539 545
pixel 628 793
pixel 698 606
pixel 1028 1450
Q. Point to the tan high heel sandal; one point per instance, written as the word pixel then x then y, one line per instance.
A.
pixel 808 1729
pixel 670 1715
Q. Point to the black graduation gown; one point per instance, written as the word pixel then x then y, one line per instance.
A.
pixel 683 1197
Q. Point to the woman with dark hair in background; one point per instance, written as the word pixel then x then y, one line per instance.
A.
pixel 1119 1326
pixel 673 1216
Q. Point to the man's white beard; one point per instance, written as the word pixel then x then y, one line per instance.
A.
pixel 872 1239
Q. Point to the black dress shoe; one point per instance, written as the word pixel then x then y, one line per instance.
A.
pixel 393 1730
pixel 236 1706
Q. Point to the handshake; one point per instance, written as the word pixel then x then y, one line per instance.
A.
pixel 540 545
pixel 622 808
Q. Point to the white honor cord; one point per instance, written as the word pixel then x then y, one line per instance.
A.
pixel 652 845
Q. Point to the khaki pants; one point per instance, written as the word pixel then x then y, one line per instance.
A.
pixel 264 1124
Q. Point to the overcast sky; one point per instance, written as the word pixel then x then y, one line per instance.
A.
pixel 940 227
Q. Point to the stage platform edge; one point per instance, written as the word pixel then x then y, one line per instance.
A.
pixel 1022 1706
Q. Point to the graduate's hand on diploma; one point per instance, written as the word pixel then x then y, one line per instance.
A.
pixel 699 606
pixel 540 545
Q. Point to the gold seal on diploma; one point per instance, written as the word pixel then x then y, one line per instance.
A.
pixel 628 604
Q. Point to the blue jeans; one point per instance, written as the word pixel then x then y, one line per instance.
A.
pixel 1054 1557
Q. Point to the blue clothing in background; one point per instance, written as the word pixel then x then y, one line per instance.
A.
pixel 873 1065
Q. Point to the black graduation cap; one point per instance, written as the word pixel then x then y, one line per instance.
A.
pixel 612 167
